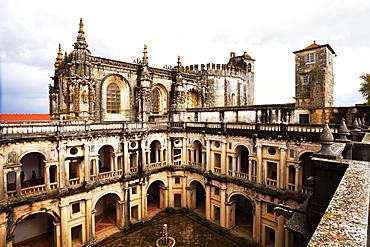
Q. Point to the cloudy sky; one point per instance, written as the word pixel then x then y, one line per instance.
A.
pixel 199 31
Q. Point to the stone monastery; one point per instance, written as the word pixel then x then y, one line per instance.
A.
pixel 126 140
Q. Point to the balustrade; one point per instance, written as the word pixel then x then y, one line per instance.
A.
pixel 74 181
pixel 271 182
pixel 48 128
pixel 305 190
pixel 33 189
pixel 291 187
pixel 241 175
pixel 108 174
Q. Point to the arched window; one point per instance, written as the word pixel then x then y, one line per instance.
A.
pixel 113 98
pixel 249 67
pixel 156 101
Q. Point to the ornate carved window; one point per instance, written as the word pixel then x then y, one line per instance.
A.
pixel 113 98
pixel 156 101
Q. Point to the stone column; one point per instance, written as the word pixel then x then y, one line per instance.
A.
pixel 90 229
pixel 126 211
pixel 169 152
pixel 115 164
pixel 184 154
pixel 3 225
pixel 126 158
pixel 66 170
pixel 223 158
pixel 260 175
pixel 282 173
pixel 234 165
pixel 47 176
pixel 208 155
pixel 184 201
pixel 143 201
pixel 223 205
pixel 120 213
pixel 280 238
pixel 208 202
pixel 171 202
pixel 297 178
pixel 5 184
pixel 87 175
pixel 18 181
pixel 64 236
pixel 96 168
pixel 257 222
pixel 57 238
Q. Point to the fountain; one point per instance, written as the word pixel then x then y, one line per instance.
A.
pixel 165 240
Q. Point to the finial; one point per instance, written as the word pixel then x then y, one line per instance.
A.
pixel 81 42
pixel 81 26
pixel 145 57
pixel 59 58
pixel 179 64
pixel 343 131
pixel 314 41
pixel 326 135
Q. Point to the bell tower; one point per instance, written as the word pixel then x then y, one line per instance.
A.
pixel 314 79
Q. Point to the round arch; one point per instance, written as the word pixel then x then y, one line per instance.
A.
pixel 104 144
pixel 156 198
pixel 55 218
pixel 237 145
pixel 242 213
pixel 154 180
pixel 104 194
pixel 241 194
pixel 196 180
pixel 33 151
pixel 153 140
pixel 124 92
pixel 159 99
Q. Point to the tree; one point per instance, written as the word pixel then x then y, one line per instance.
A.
pixel 365 88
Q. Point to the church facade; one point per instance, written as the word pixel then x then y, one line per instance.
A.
pixel 125 138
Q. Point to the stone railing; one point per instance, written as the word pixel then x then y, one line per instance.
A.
pixel 345 221
pixel 74 128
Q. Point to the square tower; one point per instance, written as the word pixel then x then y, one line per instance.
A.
pixel 314 79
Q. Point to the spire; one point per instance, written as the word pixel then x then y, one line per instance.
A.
pixel 179 64
pixel 144 63
pixel 145 57
pixel 81 42
pixel 59 59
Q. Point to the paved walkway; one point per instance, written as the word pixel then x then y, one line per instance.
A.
pixel 187 229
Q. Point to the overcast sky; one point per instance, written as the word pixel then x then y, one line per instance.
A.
pixel 198 31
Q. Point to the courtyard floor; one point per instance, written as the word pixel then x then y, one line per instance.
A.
pixel 188 229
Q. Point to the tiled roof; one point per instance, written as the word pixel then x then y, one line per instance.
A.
pixel 314 45
pixel 24 117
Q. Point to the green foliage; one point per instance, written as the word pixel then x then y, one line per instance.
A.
pixel 365 88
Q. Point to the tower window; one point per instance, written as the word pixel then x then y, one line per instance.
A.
pixel 305 79
pixel 309 57
pixel 113 98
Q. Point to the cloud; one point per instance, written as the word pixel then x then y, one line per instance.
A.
pixel 198 31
